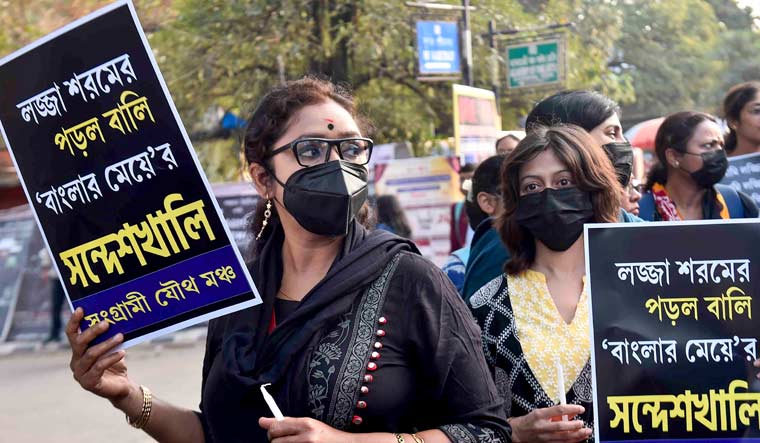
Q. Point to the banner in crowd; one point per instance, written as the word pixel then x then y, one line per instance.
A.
pixel 115 186
pixel 744 175
pixel 238 201
pixel 426 187
pixel 15 235
pixel 476 123
pixel 27 277
pixel 673 335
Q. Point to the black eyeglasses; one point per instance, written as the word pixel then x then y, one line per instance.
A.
pixel 315 151
pixel 635 185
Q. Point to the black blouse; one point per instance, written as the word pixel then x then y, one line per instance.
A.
pixel 407 357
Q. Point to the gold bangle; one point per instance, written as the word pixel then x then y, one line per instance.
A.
pixel 418 439
pixel 399 438
pixel 147 406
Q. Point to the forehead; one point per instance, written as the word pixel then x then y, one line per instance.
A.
pixel 545 164
pixel 708 130
pixel 612 120
pixel 754 102
pixel 315 118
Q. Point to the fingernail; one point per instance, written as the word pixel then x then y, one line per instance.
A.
pixel 118 337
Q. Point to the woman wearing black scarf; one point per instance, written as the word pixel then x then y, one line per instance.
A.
pixel 361 339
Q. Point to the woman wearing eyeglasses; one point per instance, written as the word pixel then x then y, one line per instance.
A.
pixel 631 196
pixel 361 339
pixel 683 185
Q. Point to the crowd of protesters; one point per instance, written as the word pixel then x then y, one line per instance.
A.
pixel 364 340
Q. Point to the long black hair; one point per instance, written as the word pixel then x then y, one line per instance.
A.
pixel 487 178
pixel 389 212
pixel 587 109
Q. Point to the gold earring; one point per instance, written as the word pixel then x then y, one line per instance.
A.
pixel 267 214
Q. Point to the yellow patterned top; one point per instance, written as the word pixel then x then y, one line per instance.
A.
pixel 544 335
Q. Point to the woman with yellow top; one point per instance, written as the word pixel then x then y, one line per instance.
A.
pixel 534 318
pixel 683 185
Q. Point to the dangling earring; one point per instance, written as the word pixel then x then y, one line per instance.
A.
pixel 267 214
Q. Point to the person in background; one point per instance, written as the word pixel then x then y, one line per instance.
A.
pixel 600 117
pixel 535 316
pixel 460 232
pixel 57 297
pixel 361 338
pixel 741 109
pixel 683 185
pixel 634 191
pixel 487 253
pixel 507 141
pixel 391 217
pixel 639 165
pixel 482 202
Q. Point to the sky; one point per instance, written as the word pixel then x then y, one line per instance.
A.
pixel 755 4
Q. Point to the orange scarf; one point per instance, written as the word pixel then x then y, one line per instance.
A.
pixel 667 207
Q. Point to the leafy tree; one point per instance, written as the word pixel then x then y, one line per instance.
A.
pixel 664 46
pixel 653 56
pixel 732 15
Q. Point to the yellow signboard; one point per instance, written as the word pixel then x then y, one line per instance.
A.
pixel 476 123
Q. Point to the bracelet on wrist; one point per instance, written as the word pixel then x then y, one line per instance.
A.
pixel 147 406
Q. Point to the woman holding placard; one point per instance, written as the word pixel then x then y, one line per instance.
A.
pixel 683 185
pixel 360 338
pixel 534 317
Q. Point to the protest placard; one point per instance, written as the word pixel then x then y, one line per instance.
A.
pixel 673 335
pixel 743 174
pixel 116 188
pixel 476 123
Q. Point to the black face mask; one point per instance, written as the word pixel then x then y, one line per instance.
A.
pixel 325 199
pixel 555 216
pixel 714 167
pixel 621 155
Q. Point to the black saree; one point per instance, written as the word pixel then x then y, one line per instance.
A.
pixel 366 351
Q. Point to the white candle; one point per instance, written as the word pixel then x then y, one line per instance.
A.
pixel 561 385
pixel 271 403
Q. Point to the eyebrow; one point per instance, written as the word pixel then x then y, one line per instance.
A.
pixel 539 177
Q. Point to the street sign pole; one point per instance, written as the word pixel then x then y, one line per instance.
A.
pixel 467 42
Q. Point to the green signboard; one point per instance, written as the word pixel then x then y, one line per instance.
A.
pixel 535 64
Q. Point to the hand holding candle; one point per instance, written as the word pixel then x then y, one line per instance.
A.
pixel 561 385
pixel 271 403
